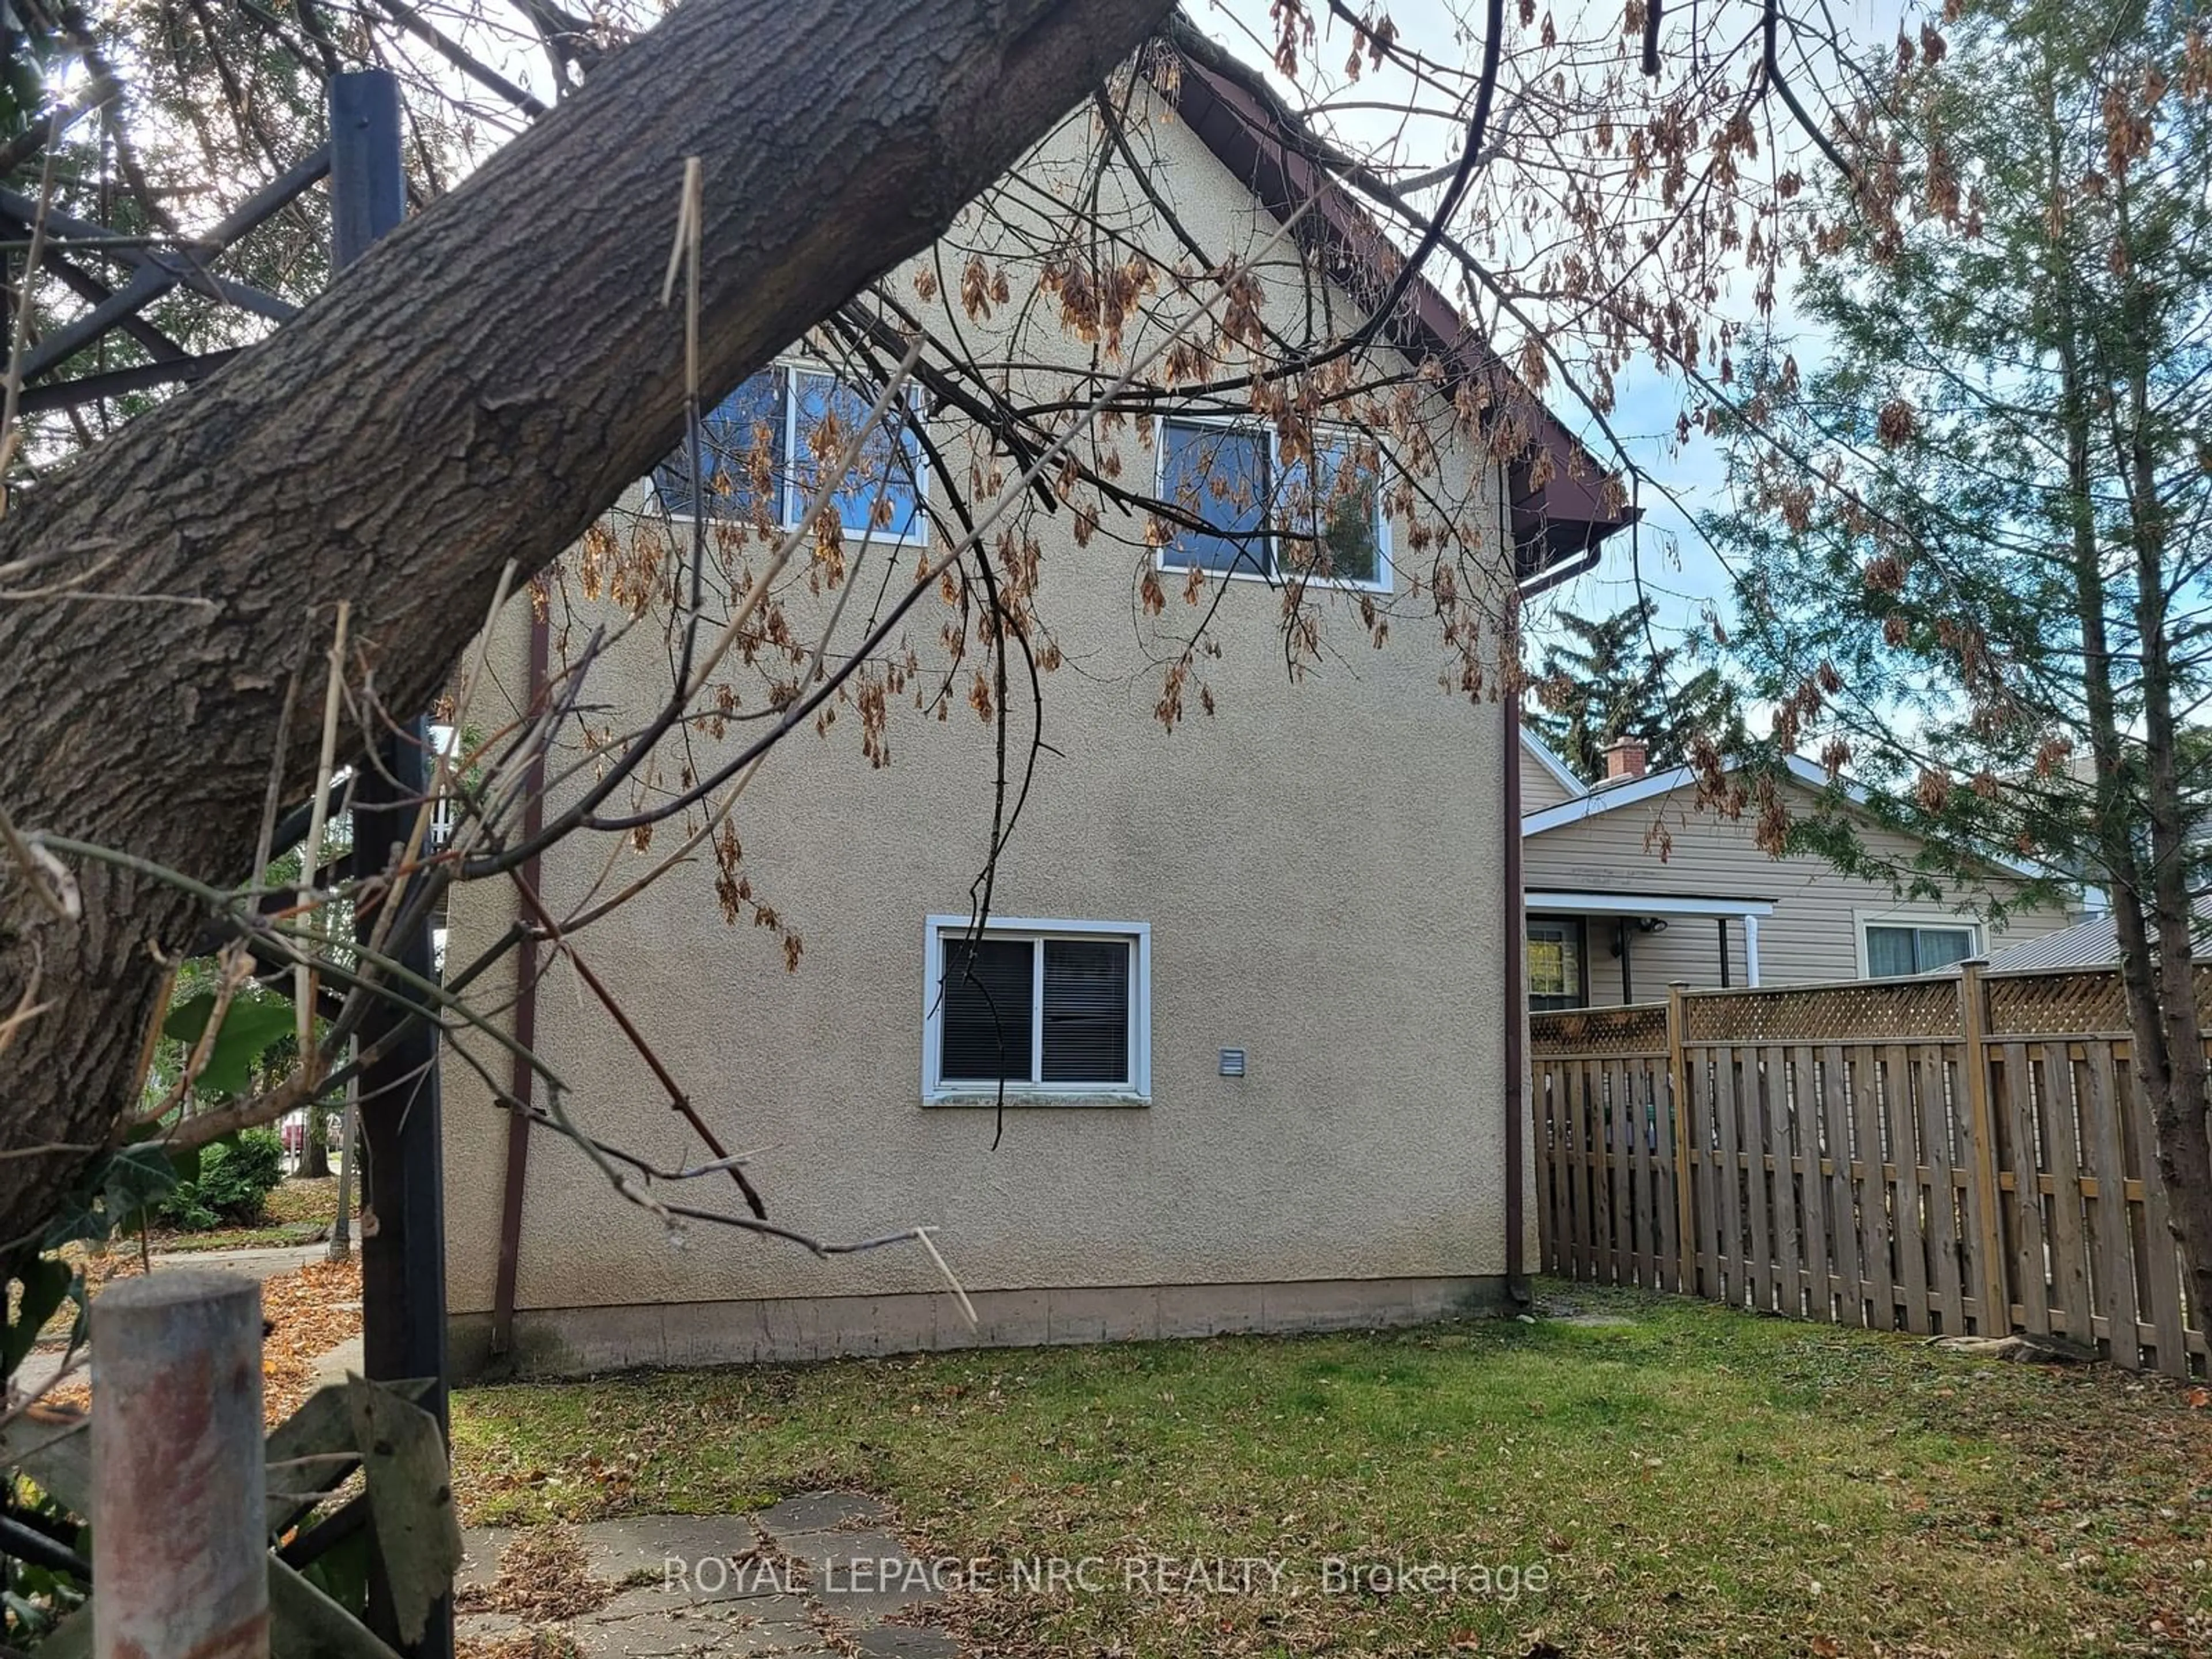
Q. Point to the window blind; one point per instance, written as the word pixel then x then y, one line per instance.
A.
pixel 989 988
pixel 1086 1011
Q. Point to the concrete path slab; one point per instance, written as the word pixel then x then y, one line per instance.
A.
pixel 906 1642
pixel 256 1264
pixel 862 1577
pixel 822 1512
pixel 485 1626
pixel 678 1552
pixel 481 1547
pixel 737 1584
pixel 332 1367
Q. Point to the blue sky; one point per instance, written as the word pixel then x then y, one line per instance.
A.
pixel 1679 571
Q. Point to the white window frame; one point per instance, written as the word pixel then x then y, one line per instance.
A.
pixel 1385 568
pixel 791 365
pixel 1976 941
pixel 940 929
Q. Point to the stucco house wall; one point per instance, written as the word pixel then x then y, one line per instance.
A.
pixel 1814 933
pixel 1318 862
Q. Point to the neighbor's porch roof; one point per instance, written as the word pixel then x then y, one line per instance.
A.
pixel 1550 901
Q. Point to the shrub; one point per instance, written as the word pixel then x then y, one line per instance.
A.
pixel 234 1181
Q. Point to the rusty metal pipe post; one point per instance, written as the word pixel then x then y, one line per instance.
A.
pixel 179 1554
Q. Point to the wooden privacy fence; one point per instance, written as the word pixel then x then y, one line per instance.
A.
pixel 1948 1156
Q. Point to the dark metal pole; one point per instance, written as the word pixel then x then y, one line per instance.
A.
pixel 1724 961
pixel 369 191
pixel 403 1256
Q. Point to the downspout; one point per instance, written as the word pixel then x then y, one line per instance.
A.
pixel 525 1016
pixel 1517 1001
pixel 1515 900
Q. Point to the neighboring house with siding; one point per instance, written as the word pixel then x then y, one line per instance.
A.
pixel 1631 886
pixel 1242 977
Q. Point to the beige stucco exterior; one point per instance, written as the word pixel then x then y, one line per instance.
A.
pixel 1666 845
pixel 1319 862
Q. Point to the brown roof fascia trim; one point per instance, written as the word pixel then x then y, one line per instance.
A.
pixel 1558 524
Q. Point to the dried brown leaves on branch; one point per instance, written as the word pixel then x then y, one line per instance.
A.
pixel 1597 196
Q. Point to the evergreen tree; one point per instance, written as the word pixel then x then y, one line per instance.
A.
pixel 1610 678
pixel 1974 541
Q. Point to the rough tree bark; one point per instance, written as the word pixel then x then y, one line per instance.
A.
pixel 2184 1139
pixel 2152 907
pixel 476 390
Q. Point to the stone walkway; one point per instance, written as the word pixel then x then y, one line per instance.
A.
pixel 261 1261
pixel 739 1584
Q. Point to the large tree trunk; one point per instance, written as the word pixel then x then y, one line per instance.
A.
pixel 315 1145
pixel 476 390
pixel 2156 973
pixel 2184 1143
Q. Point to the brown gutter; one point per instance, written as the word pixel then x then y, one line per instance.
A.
pixel 525 1015
pixel 1517 1009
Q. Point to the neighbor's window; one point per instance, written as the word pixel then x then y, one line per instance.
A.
pixel 761 450
pixel 1042 1007
pixel 1269 514
pixel 1891 952
pixel 1555 963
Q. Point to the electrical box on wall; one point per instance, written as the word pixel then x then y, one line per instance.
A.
pixel 1232 1062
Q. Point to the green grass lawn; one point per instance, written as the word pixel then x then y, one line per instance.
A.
pixel 298 1210
pixel 268 1236
pixel 1693 1480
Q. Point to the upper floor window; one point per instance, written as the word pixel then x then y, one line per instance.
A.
pixel 1271 513
pixel 761 450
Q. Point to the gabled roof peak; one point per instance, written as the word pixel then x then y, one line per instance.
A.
pixel 1556 490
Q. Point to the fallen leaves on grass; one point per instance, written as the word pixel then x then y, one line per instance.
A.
pixel 300 1198
pixel 529 1643
pixel 309 1311
pixel 542 1579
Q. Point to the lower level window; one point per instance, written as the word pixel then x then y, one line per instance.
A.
pixel 1894 952
pixel 1040 1007
pixel 1555 963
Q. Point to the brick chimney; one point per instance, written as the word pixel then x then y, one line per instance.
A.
pixel 1624 758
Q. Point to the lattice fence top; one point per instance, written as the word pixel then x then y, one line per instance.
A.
pixel 2058 1004
pixel 2080 1002
pixel 1639 1029
pixel 2069 1002
pixel 1875 1010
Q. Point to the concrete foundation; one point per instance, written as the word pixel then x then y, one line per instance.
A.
pixel 575 1341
